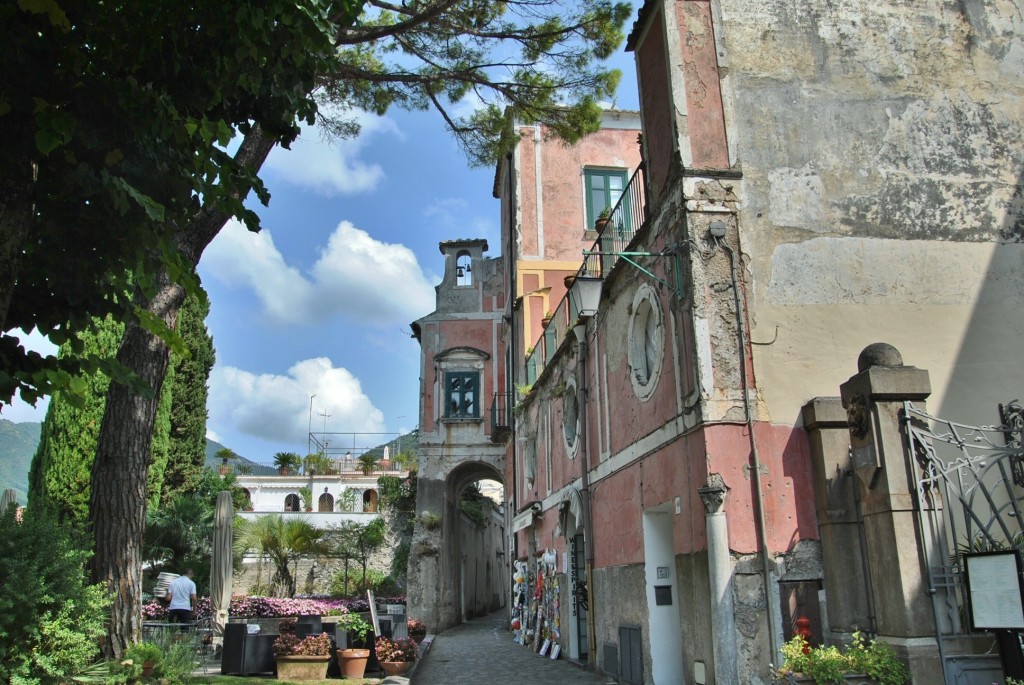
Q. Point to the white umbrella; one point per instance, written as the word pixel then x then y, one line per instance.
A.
pixel 221 565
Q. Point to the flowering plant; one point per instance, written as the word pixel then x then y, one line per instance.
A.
pixel 403 649
pixel 290 645
pixel 417 629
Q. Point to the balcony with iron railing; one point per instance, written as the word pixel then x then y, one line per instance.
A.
pixel 501 416
pixel 615 234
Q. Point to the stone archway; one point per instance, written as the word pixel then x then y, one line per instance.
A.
pixel 457 567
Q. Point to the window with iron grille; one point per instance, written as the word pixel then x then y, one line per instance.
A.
pixel 461 395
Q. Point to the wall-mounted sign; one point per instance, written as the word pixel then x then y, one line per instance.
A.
pixel 662 572
pixel 522 520
pixel 994 590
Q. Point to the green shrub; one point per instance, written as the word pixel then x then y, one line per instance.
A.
pixel 380 582
pixel 827 665
pixel 50 617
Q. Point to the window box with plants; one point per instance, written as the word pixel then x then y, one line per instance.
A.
pixel 302 659
pixel 862 661
pixel 396 656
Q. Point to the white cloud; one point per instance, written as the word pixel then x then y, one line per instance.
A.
pixel 355 275
pixel 277 407
pixel 448 214
pixel 332 167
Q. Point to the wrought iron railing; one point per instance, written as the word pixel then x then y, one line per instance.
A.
pixel 627 216
pixel 501 414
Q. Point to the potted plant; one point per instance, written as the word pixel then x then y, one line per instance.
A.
pixel 304 659
pixel 823 665
pixel 286 461
pixel 147 654
pixel 396 656
pixel 546 319
pixel 417 629
pixel 353 659
pixel 225 454
pixel 603 219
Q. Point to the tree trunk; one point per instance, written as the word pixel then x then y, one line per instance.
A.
pixel 118 505
pixel 120 472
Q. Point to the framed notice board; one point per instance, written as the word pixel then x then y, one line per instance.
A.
pixel 994 590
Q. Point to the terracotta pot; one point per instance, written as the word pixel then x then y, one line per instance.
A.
pixel 302 667
pixel 283 471
pixel 353 662
pixel 147 668
pixel 396 667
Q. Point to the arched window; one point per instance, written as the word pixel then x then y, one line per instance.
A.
pixel 370 501
pixel 325 503
pixel 292 503
pixel 463 269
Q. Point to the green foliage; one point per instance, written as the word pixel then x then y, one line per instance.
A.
pixel 318 462
pixel 348 500
pixel 159 450
pixel 828 665
pixel 62 467
pixel 284 541
pixel 347 585
pixel 431 520
pixel 289 460
pixel 476 505
pixel 397 498
pixel 354 624
pixel 368 462
pixel 307 498
pixel 532 60
pixel 191 372
pixel 226 454
pixel 49 616
pixel 180 534
pixel 93 195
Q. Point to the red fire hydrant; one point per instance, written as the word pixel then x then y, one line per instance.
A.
pixel 803 629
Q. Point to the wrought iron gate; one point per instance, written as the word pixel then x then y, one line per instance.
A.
pixel 970 498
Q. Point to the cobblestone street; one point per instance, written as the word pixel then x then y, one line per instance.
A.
pixel 482 651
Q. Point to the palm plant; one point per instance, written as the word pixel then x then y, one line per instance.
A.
pixel 286 461
pixel 283 542
pixel 180 535
pixel 225 454
pixel 368 462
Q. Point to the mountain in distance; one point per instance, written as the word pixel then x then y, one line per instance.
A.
pixel 18 442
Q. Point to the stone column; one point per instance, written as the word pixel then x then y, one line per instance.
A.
pixel 886 475
pixel 847 595
pixel 723 627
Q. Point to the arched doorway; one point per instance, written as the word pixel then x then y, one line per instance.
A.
pixel 248 499
pixel 292 503
pixel 370 501
pixel 475 547
pixel 326 502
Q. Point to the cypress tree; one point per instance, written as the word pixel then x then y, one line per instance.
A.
pixel 187 451
pixel 62 466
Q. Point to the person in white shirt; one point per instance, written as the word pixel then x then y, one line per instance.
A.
pixel 182 594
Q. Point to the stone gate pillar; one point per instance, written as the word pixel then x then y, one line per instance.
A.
pixel 886 481
pixel 842 554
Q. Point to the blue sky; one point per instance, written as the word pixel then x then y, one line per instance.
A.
pixel 320 302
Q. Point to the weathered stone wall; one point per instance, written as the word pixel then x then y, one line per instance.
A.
pixel 879 145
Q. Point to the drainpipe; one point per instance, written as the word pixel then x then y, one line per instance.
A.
pixel 580 330
pixel 718 229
